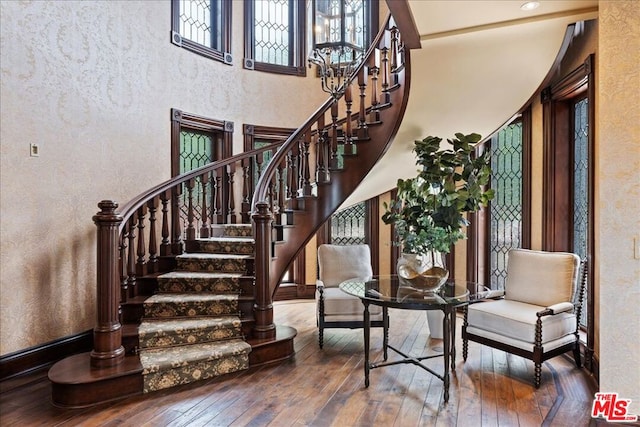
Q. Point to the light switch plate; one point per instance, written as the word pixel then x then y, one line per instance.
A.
pixel 34 150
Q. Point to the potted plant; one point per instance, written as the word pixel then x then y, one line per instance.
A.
pixel 429 212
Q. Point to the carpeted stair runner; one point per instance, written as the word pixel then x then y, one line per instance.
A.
pixel 169 367
pixel 191 329
pixel 193 281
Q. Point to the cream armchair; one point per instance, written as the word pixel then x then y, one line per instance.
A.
pixel 336 309
pixel 537 317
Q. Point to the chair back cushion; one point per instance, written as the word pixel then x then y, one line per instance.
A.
pixel 338 263
pixel 541 278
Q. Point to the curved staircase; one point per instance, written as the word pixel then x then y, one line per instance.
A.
pixel 184 291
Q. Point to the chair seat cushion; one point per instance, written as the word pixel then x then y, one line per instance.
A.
pixel 337 302
pixel 517 320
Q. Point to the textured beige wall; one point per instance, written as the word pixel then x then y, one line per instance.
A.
pixel 618 198
pixel 93 82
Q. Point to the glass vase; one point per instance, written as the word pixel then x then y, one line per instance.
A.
pixel 424 272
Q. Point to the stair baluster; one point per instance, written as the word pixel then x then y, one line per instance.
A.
pixel 165 245
pixel 363 131
pixel 204 215
pixel 152 264
pixel 131 256
pixel 141 250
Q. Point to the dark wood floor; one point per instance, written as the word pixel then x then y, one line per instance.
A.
pixel 326 388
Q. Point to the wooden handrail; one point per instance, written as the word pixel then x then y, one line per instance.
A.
pixel 383 81
pixel 137 202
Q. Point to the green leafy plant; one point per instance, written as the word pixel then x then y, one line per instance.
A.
pixel 428 213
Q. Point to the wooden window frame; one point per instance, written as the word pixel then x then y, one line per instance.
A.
pixel 297 41
pixel 224 53
pixel 181 120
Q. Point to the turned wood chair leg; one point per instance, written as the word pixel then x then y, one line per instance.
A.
pixel 465 341
pixel 320 337
pixel 576 355
pixel 538 375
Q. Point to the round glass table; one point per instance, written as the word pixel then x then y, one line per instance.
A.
pixel 388 291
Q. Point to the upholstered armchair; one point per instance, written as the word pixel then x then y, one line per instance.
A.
pixel 538 315
pixel 335 308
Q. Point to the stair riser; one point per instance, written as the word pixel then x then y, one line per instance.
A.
pixel 131 343
pixel 243 285
pixel 133 313
pixel 242 266
pixel 191 309
pixel 172 339
pixel 237 231
pixel 222 247
pixel 194 372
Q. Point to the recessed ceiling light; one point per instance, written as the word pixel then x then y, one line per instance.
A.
pixel 530 5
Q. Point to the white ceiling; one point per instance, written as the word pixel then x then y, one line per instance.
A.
pixel 438 16
pixel 479 64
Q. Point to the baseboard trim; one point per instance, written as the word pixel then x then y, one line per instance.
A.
pixel 38 357
pixel 295 291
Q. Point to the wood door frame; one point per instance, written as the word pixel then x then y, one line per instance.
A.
pixel 558 186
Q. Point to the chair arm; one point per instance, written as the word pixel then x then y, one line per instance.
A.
pixel 495 293
pixel 561 307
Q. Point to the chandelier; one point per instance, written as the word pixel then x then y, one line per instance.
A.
pixel 338 41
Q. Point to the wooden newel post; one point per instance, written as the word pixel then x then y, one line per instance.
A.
pixel 263 307
pixel 107 334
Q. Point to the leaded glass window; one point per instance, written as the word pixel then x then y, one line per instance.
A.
pixel 348 226
pixel 505 210
pixel 581 183
pixel 272 29
pixel 275 34
pixel 196 149
pixel 203 26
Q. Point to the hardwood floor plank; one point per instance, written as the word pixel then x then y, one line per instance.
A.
pixel 507 413
pixel 326 387
pixel 489 387
pixel 523 390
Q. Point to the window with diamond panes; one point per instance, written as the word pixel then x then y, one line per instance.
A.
pixel 348 226
pixel 505 210
pixel 196 149
pixel 275 34
pixel 581 183
pixel 204 27
pixel 197 141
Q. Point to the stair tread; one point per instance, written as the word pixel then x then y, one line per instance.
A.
pixel 226 239
pixel 201 275
pixel 185 298
pixel 157 325
pixel 200 255
pixel 160 359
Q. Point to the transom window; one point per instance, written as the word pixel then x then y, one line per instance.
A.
pixel 203 26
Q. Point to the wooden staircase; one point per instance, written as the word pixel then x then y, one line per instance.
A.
pixel 184 289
